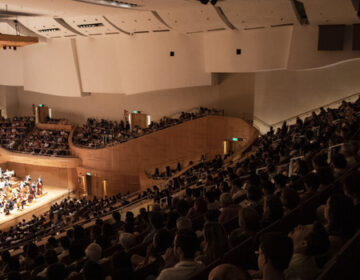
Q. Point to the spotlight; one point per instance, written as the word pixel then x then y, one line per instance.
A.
pixel 204 1
pixel 14 48
pixel 213 2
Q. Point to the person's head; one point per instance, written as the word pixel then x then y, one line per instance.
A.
pixel 93 271
pixel 339 161
pixel 127 240
pixel 326 176
pixel 122 267
pixel 273 207
pixel 228 272
pixel 185 245
pixel 289 198
pixel 310 240
pixel 93 252
pixel 319 160
pixel 116 216
pixel 32 250
pixel 275 250
pixel 312 182
pixel 268 188
pixel 50 257
pixel 162 240
pixel 215 239
pixel 156 220
pixel 14 264
pixel 249 219
pixel 280 181
pixel 182 207
pixel 183 223
pixel 200 205
pixel 226 199
pixel 65 242
pixel 56 271
pixel 339 213
pixel 253 193
pixel 352 186
pixel 52 243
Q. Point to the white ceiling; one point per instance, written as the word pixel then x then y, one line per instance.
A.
pixel 184 16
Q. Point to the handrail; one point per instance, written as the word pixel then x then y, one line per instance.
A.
pixel 307 112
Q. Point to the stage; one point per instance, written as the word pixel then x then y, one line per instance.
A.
pixel 36 207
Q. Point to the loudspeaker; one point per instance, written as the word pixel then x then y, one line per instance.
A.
pixel 331 37
pixel 356 37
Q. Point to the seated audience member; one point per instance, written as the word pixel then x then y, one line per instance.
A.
pixel 311 243
pixel 338 164
pixel 352 190
pixel 280 183
pixel 14 275
pixel 275 253
pixel 268 188
pixel 228 209
pixel 93 252
pixel 237 191
pixel 289 199
pixel 93 271
pixel 228 272
pixel 56 271
pixel 121 267
pixel 254 198
pixel 50 258
pixel 273 210
pixel 212 203
pixel 65 244
pixel 248 226
pixel 199 208
pixel 311 183
pixel 156 222
pixel 215 243
pixel 340 220
pixel 127 240
pixel 183 223
pixel 185 246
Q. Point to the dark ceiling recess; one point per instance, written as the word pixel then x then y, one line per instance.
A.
pixel 205 2
pixel 300 12
pixel 331 37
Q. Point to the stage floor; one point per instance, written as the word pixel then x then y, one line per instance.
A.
pixel 36 207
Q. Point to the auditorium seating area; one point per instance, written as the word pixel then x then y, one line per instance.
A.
pixel 13 131
pixel 46 142
pixel 291 182
pixel 100 133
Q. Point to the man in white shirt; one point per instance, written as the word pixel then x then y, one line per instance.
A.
pixel 185 246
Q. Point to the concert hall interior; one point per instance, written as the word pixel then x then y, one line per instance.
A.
pixel 182 139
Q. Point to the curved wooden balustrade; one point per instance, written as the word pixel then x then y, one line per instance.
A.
pixel 121 164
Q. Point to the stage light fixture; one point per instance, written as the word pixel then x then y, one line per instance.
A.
pixel 14 48
pixel 213 2
pixel 204 1
pixel 4 47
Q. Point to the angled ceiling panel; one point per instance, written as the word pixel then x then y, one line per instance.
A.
pixel 7 29
pixel 137 22
pixel 46 26
pixel 193 19
pixel 91 25
pixel 330 12
pixel 244 14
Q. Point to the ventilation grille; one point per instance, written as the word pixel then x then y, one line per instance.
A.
pixel 90 25
pixel 49 30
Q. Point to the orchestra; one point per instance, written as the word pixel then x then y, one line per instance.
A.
pixel 15 194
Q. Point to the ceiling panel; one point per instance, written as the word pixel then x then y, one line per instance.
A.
pixel 91 25
pixel 330 12
pixel 137 22
pixel 46 26
pixel 193 19
pixel 7 29
pixel 258 13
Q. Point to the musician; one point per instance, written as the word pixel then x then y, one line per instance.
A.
pixel 28 179
pixel 39 186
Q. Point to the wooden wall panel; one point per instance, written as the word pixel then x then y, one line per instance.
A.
pixel 122 164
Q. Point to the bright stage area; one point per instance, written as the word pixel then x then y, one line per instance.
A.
pixel 36 207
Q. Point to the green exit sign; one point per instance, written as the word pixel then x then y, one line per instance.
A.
pixel 235 139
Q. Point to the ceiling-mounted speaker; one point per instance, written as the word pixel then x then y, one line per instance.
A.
pixel 356 37
pixel 331 37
